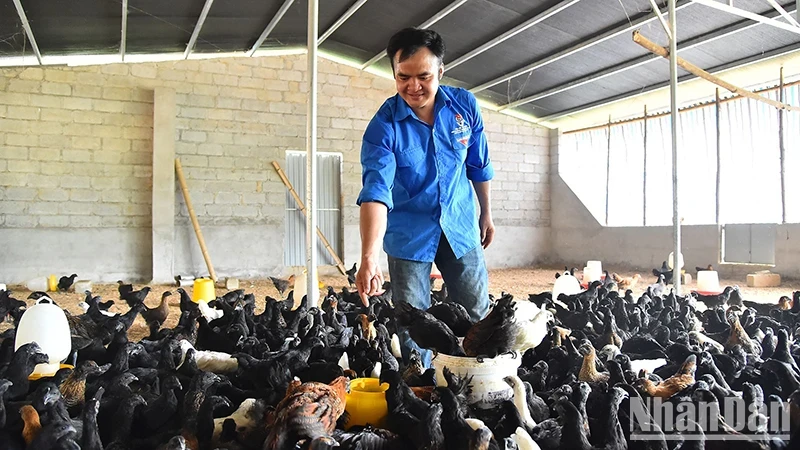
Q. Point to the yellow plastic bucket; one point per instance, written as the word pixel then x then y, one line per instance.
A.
pixel 203 290
pixel 52 283
pixel 366 403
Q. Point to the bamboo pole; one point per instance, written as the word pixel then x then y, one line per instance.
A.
pixel 689 67
pixel 302 208
pixel 195 223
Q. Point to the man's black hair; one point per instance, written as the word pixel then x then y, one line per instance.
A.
pixel 409 40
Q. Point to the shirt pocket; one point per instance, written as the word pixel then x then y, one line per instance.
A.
pixel 460 144
pixel 409 157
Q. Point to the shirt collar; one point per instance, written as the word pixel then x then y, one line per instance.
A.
pixel 402 110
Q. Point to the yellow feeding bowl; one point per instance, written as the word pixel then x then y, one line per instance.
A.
pixel 366 402
pixel 203 290
pixel 37 376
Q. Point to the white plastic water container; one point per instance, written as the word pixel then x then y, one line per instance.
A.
pixel 3 287
pixel 566 284
pixel 46 324
pixel 671 258
pixel 488 387
pixel 82 286
pixel 37 284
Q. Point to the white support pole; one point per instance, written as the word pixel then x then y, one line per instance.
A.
pixel 311 157
pixel 673 100
pixel 124 30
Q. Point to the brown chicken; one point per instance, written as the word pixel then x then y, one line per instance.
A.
pixel 73 388
pixel 589 371
pixel 367 326
pixel 625 283
pixel 158 314
pixel 740 337
pixel 674 384
pixel 32 425
pixel 308 411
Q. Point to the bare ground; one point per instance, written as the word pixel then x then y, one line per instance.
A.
pixel 518 282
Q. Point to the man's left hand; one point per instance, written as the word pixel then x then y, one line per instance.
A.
pixel 487 229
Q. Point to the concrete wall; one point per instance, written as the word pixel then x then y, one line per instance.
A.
pixel 577 237
pixel 77 165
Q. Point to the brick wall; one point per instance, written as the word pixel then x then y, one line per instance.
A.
pixel 76 158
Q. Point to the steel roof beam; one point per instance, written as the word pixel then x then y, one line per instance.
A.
pixel 124 30
pixel 27 26
pixel 783 12
pixel 728 66
pixel 636 62
pixel 270 26
pixel 428 23
pixel 583 45
pixel 747 15
pixel 197 28
pixel 341 20
pixel 564 4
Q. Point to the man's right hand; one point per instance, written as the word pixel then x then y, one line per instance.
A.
pixel 369 280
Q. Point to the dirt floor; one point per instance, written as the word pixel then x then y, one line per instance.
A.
pixel 519 282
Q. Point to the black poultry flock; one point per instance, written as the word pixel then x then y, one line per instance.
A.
pixel 279 375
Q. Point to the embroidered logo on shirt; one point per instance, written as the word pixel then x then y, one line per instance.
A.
pixel 461 126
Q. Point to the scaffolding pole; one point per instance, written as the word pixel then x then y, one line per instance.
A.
pixel 673 100
pixel 311 157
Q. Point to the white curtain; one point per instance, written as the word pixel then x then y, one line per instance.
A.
pixel 582 165
pixel 659 171
pixel 750 186
pixel 750 163
pixel 697 166
pixel 625 190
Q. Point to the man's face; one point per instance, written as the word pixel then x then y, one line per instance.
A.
pixel 417 78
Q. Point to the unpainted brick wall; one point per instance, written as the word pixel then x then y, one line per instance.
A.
pixel 76 142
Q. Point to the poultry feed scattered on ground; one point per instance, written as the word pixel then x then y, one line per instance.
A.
pixel 232 375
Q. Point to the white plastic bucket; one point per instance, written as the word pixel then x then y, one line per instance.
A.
pixel 488 387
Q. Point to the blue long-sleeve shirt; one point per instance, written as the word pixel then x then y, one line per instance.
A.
pixel 422 173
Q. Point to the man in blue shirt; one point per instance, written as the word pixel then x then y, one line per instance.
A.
pixel 420 152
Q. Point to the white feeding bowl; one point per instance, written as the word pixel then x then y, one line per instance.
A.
pixel 708 281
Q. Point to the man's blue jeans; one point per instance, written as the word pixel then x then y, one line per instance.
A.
pixel 467 283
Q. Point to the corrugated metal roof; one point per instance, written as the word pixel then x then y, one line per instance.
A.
pixel 564 84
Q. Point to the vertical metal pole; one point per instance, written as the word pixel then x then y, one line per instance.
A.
pixel 608 165
pixel 782 146
pixel 644 171
pixel 673 97
pixel 311 157
pixel 719 158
